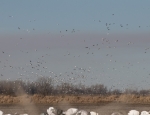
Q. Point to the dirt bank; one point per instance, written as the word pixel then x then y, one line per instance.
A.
pixel 40 99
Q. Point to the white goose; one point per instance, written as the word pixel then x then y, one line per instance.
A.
pixel 116 113
pixel 51 111
pixel 1 112
pixel 82 112
pixel 93 113
pixel 54 111
pixel 133 112
pixel 145 113
pixel 71 111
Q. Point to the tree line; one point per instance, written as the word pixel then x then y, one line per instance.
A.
pixel 46 86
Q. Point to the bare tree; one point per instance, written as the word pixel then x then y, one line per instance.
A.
pixel 44 86
pixel 144 92
pixel 99 89
pixel 116 92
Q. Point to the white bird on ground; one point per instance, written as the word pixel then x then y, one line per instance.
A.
pixel 93 113
pixel 82 112
pixel 71 111
pixel 17 114
pixel 1 113
pixel 43 114
pixel 51 111
pixel 54 111
pixel 145 113
pixel 133 112
pixel 116 113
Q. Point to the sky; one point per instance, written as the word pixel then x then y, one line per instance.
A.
pixel 89 42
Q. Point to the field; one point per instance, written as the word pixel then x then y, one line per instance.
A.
pixel 78 99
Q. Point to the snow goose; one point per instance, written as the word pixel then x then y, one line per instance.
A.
pixel 133 112
pixel 82 112
pixel 116 113
pixel 145 113
pixel 71 111
pixel 93 113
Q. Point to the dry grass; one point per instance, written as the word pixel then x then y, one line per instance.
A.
pixel 40 99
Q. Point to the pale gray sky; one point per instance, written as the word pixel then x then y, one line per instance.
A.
pixel 107 41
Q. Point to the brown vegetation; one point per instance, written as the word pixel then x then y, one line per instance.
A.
pixel 83 99
pixel 42 91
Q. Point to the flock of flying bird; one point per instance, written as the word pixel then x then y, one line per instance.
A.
pixel 38 67
pixel 76 111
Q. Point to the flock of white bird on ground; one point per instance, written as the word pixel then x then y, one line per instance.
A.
pixel 75 111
